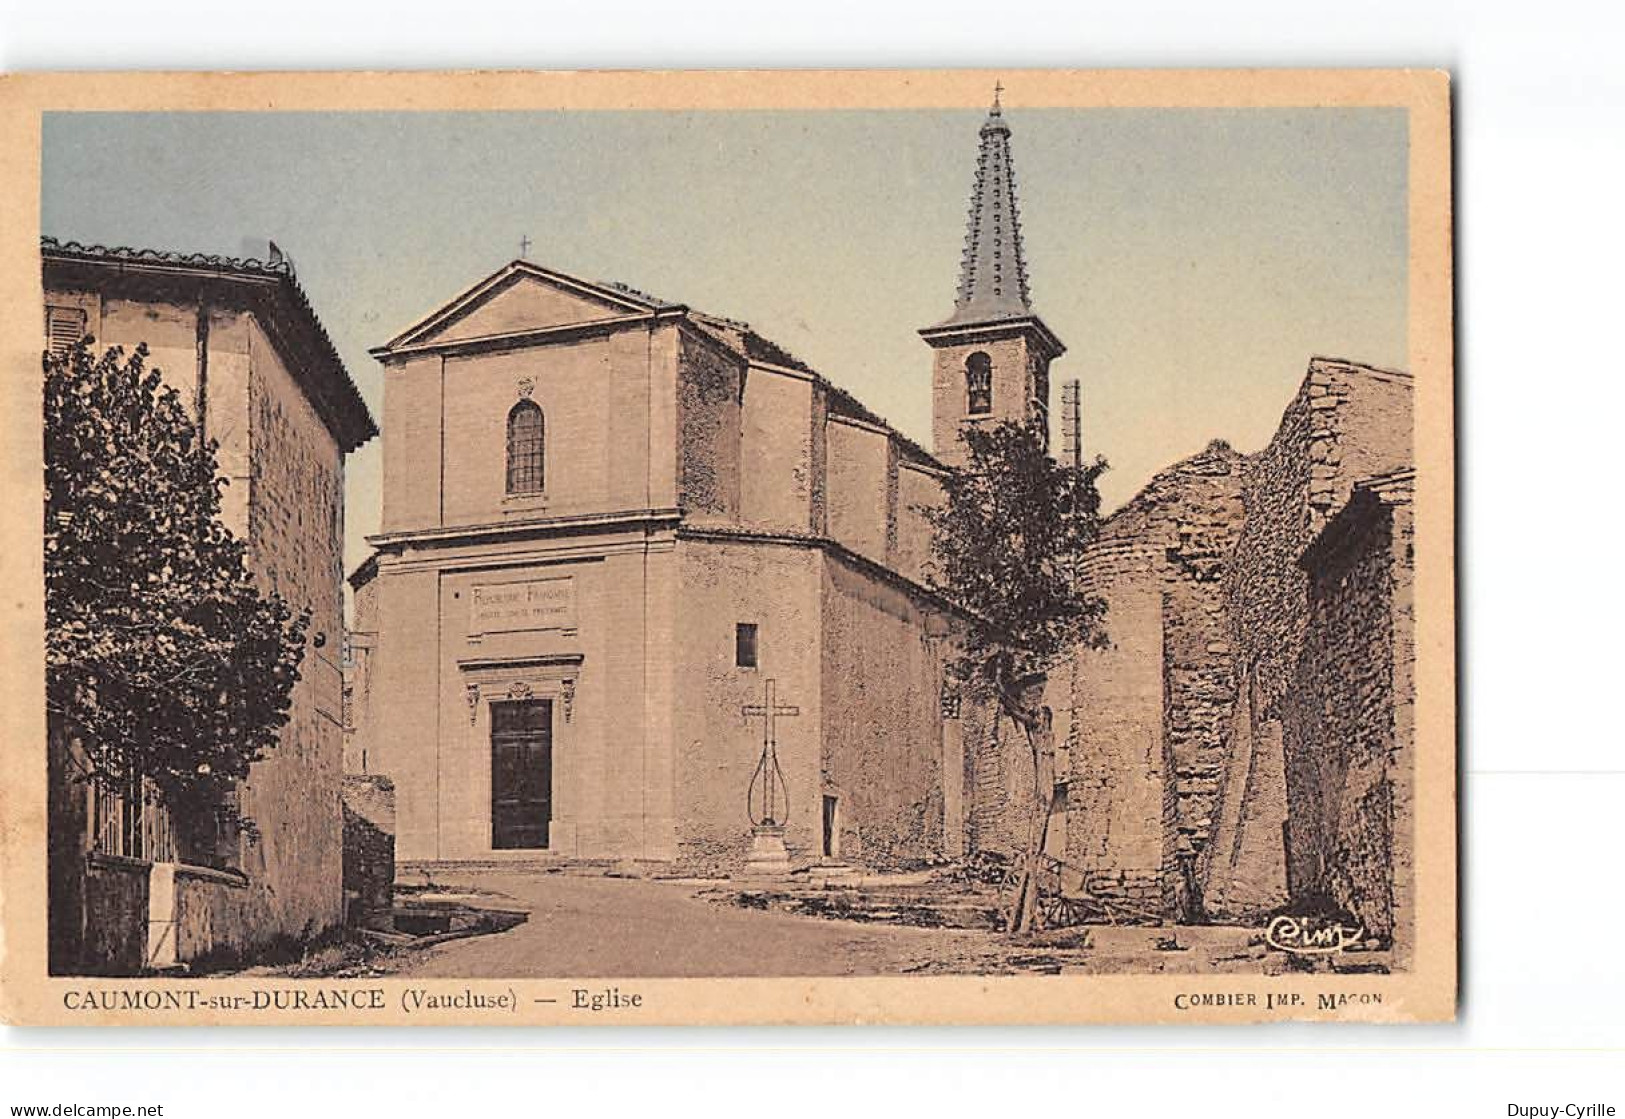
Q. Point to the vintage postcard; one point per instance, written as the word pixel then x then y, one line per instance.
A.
pixel 817 547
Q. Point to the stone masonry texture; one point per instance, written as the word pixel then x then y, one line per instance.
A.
pixel 369 850
pixel 1347 740
pixel 1191 747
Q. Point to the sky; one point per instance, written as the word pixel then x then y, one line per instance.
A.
pixel 1193 260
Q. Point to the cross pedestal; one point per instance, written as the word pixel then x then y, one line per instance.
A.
pixel 768 854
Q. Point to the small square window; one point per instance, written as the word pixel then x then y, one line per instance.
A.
pixel 745 645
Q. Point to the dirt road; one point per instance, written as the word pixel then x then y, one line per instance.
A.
pixel 587 926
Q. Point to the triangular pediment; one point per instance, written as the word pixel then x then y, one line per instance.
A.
pixel 522 297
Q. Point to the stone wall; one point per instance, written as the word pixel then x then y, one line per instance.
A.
pixel 1346 718
pixel 98 906
pixel 1346 423
pixel 709 429
pixel 1244 869
pixel 1201 506
pixel 774 586
pixel 1001 781
pixel 1120 824
pixel 292 853
pixel 882 742
pixel 1187 745
pixel 116 907
pixel 369 851
pixel 1147 719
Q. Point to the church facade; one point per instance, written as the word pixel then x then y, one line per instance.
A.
pixel 610 521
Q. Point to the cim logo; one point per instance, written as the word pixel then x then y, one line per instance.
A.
pixel 1308 936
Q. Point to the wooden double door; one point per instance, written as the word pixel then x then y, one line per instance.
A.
pixel 521 773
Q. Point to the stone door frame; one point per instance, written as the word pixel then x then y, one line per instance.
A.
pixel 488 680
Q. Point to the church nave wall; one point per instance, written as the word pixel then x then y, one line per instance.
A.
pixel 883 747
pixel 776 587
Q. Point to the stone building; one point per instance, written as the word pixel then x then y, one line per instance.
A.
pixel 611 519
pixel 608 521
pixel 1244 744
pixel 238 338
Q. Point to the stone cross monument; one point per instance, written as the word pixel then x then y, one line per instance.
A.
pixel 768 800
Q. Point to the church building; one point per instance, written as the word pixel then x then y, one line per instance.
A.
pixel 645 580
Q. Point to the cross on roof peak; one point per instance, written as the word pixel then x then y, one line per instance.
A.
pixel 993 270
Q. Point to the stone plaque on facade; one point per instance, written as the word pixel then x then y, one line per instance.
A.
pixel 538 604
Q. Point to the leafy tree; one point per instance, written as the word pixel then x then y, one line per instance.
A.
pixel 1006 542
pixel 162 654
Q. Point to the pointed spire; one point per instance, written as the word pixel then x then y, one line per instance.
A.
pixel 993 272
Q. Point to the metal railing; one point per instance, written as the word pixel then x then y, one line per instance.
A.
pixel 128 820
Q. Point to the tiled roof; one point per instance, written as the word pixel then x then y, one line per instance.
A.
pixel 334 393
pixel 739 337
pixel 211 262
pixel 654 301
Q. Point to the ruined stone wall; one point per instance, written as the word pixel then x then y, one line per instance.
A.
pixel 369 850
pixel 992 773
pixel 1119 822
pixel 1402 756
pixel 1346 423
pixel 1347 763
pixel 1201 505
pixel 1244 869
pixel 1147 724
pixel 882 743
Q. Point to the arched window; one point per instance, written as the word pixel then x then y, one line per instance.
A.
pixel 978 384
pixel 526 437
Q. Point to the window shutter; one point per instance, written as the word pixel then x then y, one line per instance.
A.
pixel 63 327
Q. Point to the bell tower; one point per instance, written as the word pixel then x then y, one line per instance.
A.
pixel 992 355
